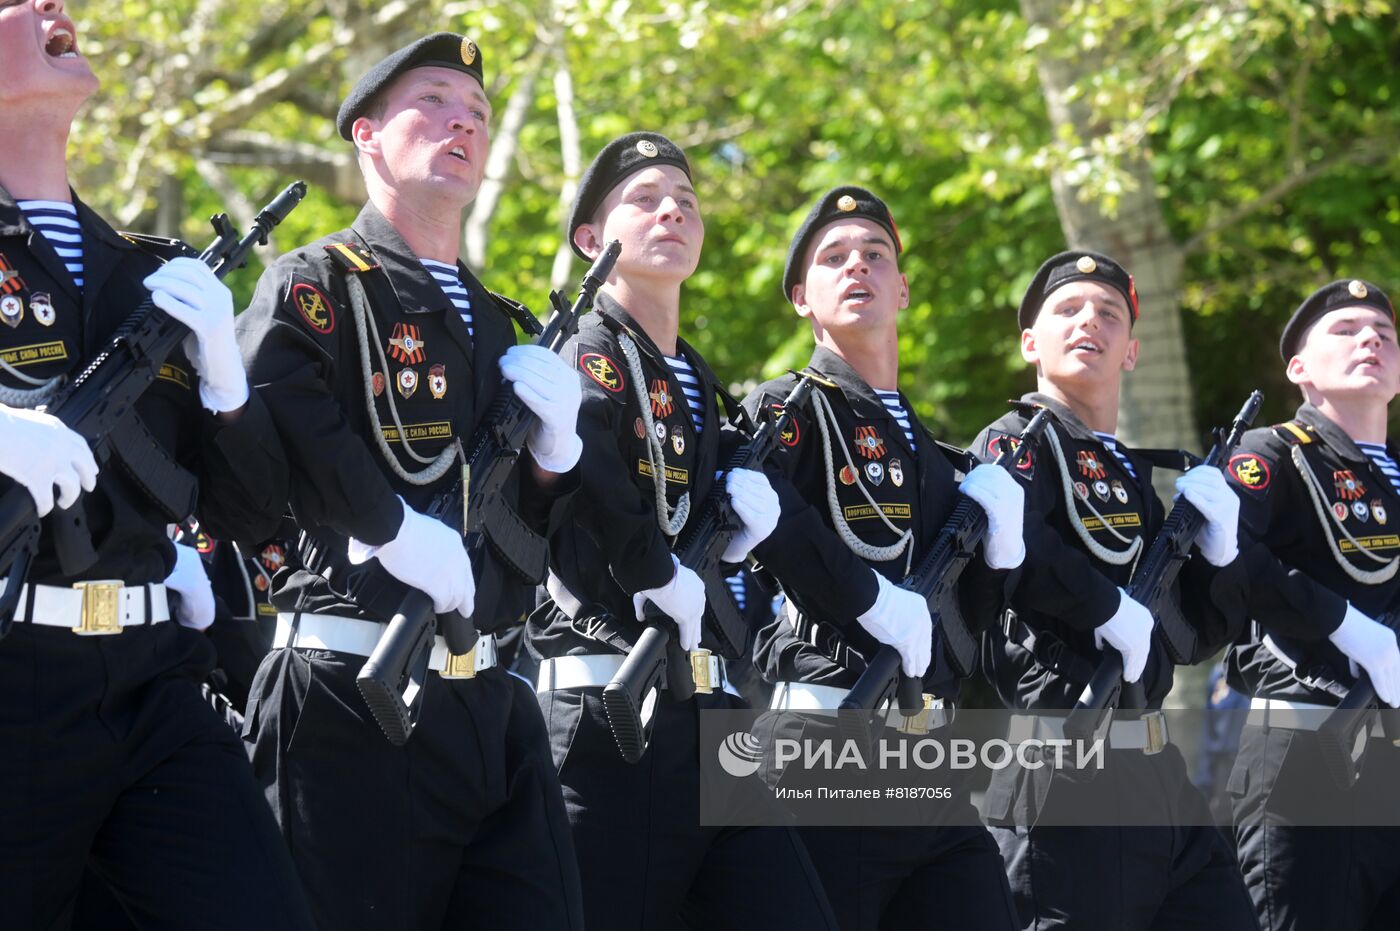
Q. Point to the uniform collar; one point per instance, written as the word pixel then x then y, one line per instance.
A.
pixel 417 290
pixel 605 306
pixel 1067 418
pixel 862 398
pixel 1333 435
pixel 14 223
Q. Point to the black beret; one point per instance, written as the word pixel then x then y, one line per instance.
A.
pixel 440 50
pixel 618 161
pixel 841 203
pixel 1075 265
pixel 1350 292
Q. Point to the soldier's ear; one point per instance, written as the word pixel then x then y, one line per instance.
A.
pixel 799 300
pixel 364 132
pixel 903 291
pixel 1130 357
pixel 1297 370
pixel 586 238
pixel 1030 352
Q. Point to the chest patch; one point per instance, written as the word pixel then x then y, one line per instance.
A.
pixel 869 443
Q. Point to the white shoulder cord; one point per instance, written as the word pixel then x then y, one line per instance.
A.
pixel 1099 551
pixel 671 521
pixel 41 392
pixel 364 327
pixel 1314 487
pixel 838 519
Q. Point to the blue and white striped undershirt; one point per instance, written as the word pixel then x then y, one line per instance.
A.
pixel 58 222
pixel 451 283
pixel 1111 442
pixel 685 375
pixel 1377 454
pixel 896 407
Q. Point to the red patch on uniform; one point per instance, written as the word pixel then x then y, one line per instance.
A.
pixel 791 433
pixel 273 557
pixel 602 370
pixel 869 443
pixel 1002 441
pixel 314 307
pixel 1249 471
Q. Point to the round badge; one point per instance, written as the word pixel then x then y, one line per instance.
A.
pixel 468 51
pixel 659 429
pixel 678 443
pixel 1357 289
pixel 846 203
pixel 640 428
pixel 42 305
pixel 1339 510
pixel 1086 265
pixel 11 309
pixel 647 148
pixel 848 475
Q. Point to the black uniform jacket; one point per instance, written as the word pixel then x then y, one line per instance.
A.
pixel 614 545
pixel 1065 591
pixel 1334 511
pixel 301 344
pixel 827 583
pixel 240 466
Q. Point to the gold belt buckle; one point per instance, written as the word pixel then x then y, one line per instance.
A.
pixel 703 672
pixel 101 611
pixel 1155 723
pixel 460 665
pixel 915 723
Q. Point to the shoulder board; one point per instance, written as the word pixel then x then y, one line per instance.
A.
pixel 1294 433
pixel 519 313
pixel 159 246
pixel 351 256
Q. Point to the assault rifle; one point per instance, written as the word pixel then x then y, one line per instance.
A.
pixel 936 579
pixel 699 549
pixel 1340 738
pixel 1153 586
pixel 392 679
pixel 101 401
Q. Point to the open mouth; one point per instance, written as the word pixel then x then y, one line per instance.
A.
pixel 457 152
pixel 61 44
pixel 857 294
pixel 1085 346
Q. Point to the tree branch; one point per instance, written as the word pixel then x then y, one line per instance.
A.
pixel 476 231
pixel 570 149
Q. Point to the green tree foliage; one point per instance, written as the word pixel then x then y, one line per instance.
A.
pixel 1271 127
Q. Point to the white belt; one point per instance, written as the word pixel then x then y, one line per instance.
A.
pixel 95 607
pixel 1148 734
pixel 598 669
pixel 1296 715
pixel 358 636
pixel 808 696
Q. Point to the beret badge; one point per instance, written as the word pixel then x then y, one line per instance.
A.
pixel 1086 265
pixel 1356 289
pixel 468 51
pixel 846 203
pixel 647 148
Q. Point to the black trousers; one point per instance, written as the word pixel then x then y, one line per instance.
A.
pixel 646 861
pixel 1124 878
pixel 913 877
pixel 1305 877
pixel 111 759
pixel 463 826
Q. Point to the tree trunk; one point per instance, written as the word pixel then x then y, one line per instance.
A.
pixel 1156 405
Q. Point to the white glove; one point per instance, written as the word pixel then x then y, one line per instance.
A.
pixel 40 453
pixel 1205 487
pixel 1004 502
pixel 900 618
pixel 195 606
pixel 1129 632
pixel 428 555
pixel 682 600
pixel 1371 646
pixel 756 505
pixel 550 389
pixel 187 290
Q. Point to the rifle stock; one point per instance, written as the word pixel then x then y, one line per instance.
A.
pixel 392 679
pixel 103 396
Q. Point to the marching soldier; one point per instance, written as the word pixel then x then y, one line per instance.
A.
pixel 1319 491
pixel 652 438
pixel 109 757
pixel 872 491
pixel 380 353
pixel 1091 512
